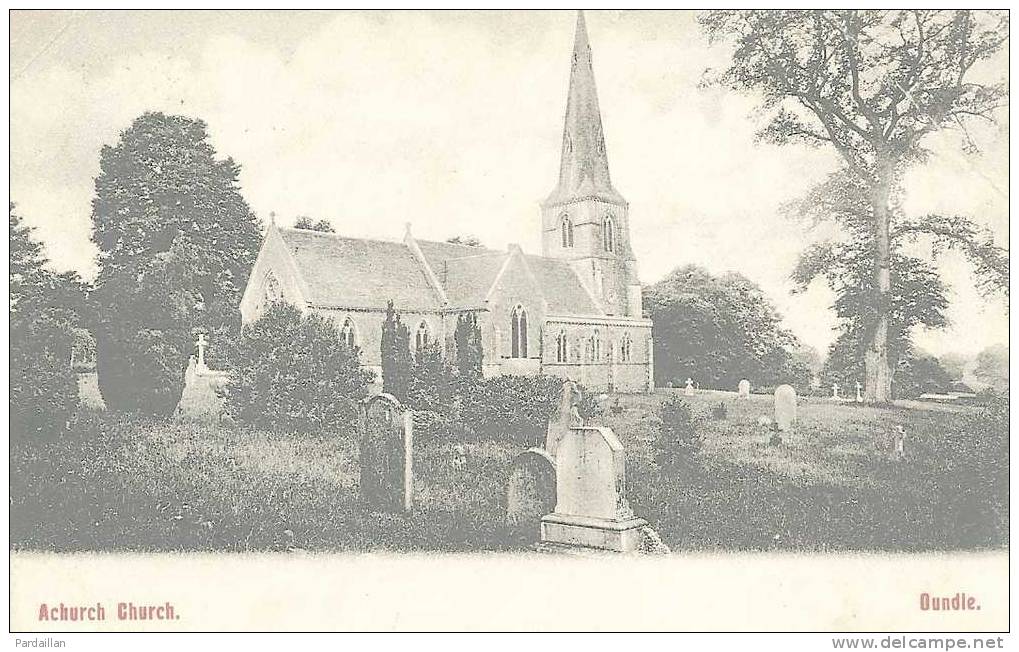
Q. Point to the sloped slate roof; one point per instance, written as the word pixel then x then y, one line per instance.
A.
pixel 436 253
pixel 468 280
pixel 353 272
pixel 358 273
pixel 562 289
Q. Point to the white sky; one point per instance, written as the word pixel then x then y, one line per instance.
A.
pixel 452 121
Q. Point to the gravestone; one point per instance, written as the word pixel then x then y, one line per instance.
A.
pixel 387 436
pixel 835 391
pixel 591 509
pixel 859 396
pixel 566 417
pixel 531 492
pixel 743 389
pixel 785 407
pixel 689 386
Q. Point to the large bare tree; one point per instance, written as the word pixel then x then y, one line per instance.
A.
pixel 872 85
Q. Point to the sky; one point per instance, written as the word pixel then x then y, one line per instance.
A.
pixel 452 121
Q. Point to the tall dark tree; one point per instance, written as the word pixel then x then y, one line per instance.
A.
pixel 176 243
pixel 397 362
pixel 873 85
pixel 469 353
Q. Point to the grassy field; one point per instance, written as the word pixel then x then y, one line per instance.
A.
pixel 126 483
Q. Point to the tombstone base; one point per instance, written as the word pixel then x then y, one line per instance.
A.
pixel 586 532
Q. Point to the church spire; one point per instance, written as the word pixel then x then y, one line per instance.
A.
pixel 584 170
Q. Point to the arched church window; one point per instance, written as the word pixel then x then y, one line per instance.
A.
pixel 271 290
pixel 609 234
pixel 348 334
pixel 421 338
pixel 518 331
pixel 626 349
pixel 597 345
pixel 561 348
pixel 566 228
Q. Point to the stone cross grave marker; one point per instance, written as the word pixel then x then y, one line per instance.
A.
pixel 743 389
pixel 859 396
pixel 566 417
pixel 835 390
pixel 530 492
pixel 689 386
pixel 591 509
pixel 387 444
pixel 785 407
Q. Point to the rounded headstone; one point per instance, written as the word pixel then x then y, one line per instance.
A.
pixel 743 388
pixel 530 492
pixel 785 407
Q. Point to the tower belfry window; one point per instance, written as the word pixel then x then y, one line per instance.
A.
pixel 609 234
pixel 561 347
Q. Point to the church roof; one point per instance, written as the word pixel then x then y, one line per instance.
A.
pixel 561 287
pixel 359 273
pixel 584 168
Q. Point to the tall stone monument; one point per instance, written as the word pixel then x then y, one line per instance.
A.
pixel 591 508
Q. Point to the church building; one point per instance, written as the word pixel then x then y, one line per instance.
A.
pixel 572 312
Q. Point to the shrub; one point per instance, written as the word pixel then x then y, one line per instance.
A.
pixel 44 389
pixel 432 384
pixel 967 467
pixel 720 412
pixel 678 441
pixel 515 408
pixel 293 372
pixel 141 371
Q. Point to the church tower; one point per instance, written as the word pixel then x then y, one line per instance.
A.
pixel 585 220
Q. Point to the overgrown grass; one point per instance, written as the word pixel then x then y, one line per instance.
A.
pixel 831 484
pixel 123 483
pixel 128 483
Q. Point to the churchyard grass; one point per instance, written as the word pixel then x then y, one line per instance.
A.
pixel 120 482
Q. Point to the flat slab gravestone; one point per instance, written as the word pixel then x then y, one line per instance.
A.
pixel 591 508
pixel 387 444
pixel 530 492
pixel 743 389
pixel 785 407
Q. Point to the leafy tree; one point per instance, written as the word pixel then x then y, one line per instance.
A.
pixel 918 298
pixel 43 312
pixel 293 372
pixel 992 367
pixel 324 226
pixel 873 85
pixel 955 364
pixel 469 352
pixel 467 240
pixel 718 330
pixel 921 374
pixel 176 243
pixel 397 363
